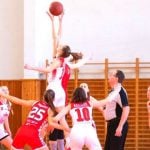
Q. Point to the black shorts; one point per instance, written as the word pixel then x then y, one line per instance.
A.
pixel 56 135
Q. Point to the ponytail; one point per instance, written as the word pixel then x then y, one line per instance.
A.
pixel 76 56
pixel 49 96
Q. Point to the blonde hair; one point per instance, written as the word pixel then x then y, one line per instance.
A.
pixel 6 91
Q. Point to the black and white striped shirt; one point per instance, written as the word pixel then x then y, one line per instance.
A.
pixel 117 99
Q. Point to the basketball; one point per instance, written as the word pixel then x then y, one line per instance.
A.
pixel 56 8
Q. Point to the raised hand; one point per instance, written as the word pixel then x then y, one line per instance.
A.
pixel 50 16
pixel 61 16
pixel 26 66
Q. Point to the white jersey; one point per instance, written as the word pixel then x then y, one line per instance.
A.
pixel 57 81
pixel 56 75
pixel 4 114
pixel 83 132
pixel 81 113
pixel 4 111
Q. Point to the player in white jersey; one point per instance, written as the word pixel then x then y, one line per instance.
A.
pixel 80 109
pixel 58 76
pixel 5 132
pixel 57 71
pixel 87 91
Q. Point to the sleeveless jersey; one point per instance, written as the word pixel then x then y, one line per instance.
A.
pixel 38 115
pixel 81 113
pixel 65 80
pixel 66 76
pixel 82 132
pixel 57 81
pixel 60 74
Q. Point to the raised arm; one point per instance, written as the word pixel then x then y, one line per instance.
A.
pixel 99 104
pixel 39 69
pixel 56 35
pixel 53 65
pixel 59 33
pixel 16 100
pixel 80 63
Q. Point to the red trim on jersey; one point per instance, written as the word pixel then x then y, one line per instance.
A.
pixel 76 105
pixel 65 78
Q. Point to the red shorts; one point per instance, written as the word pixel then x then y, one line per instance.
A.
pixel 28 135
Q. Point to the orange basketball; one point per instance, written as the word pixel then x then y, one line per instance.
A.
pixel 56 8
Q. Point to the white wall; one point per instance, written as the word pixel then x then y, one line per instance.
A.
pixel 11 39
pixel 114 29
pixel 29 36
pixel 104 27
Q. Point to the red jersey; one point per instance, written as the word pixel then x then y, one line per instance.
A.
pixel 65 79
pixel 66 75
pixel 38 115
pixel 30 133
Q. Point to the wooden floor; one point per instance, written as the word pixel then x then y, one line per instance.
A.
pixel 139 134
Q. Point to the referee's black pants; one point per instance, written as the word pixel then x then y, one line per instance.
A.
pixel 113 142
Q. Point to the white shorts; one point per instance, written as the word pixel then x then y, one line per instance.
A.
pixel 84 134
pixel 60 96
pixel 3 133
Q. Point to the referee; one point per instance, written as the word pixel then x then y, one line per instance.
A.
pixel 116 113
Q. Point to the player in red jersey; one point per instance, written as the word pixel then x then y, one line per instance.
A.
pixel 40 115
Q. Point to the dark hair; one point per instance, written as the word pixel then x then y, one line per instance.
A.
pixel 49 96
pixel 120 75
pixel 79 95
pixel 76 56
pixel 67 52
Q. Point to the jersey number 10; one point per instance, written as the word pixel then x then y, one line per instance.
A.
pixel 83 114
